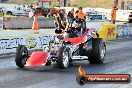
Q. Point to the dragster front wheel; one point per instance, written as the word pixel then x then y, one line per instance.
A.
pixel 21 56
pixel 63 57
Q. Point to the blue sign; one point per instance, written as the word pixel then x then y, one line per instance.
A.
pixel 123 31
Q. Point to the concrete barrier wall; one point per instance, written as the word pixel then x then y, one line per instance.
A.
pixel 25 22
pixel 11 33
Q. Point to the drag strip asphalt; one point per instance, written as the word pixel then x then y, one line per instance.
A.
pixel 118 61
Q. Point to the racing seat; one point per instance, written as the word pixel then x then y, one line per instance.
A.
pixel 73 32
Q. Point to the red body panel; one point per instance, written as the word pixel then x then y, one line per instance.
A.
pixel 80 39
pixel 37 59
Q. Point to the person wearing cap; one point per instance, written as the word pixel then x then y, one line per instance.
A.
pixel 113 14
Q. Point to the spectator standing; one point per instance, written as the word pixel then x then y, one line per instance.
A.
pixel 69 2
pixel 113 14
pixel 128 4
pixel 60 24
pixel 70 15
pixel 116 3
pixel 65 3
pixel 61 3
pixel 122 4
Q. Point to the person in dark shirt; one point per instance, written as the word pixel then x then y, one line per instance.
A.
pixel 130 21
pixel 61 15
pixel 65 3
pixel 70 15
pixel 116 3
pixel 60 20
pixel 122 4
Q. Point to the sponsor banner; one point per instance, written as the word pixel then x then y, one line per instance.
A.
pixel 122 15
pixel 108 32
pixel 123 31
pixel 8 45
pixel 1 23
pixel 26 22
pixel 101 14
pixel 94 17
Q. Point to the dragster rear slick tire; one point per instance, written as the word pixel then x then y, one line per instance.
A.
pixel 21 56
pixel 63 57
pixel 98 52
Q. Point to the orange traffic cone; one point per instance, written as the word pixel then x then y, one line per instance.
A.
pixel 35 23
